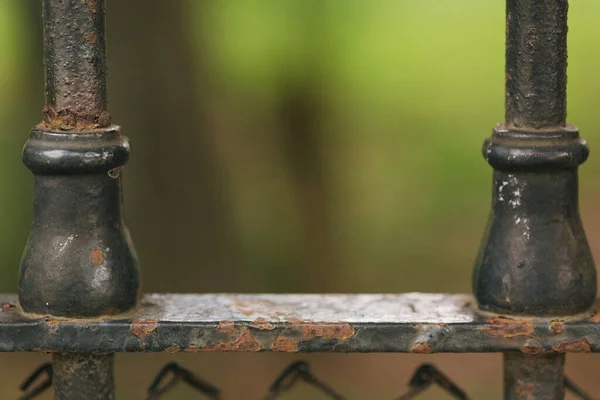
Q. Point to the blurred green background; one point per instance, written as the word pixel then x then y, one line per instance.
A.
pixel 297 146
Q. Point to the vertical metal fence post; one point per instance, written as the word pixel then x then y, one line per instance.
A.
pixel 535 259
pixel 78 261
pixel 83 376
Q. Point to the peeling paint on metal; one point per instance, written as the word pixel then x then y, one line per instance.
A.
pixel 141 328
pixel 508 328
pixel 579 346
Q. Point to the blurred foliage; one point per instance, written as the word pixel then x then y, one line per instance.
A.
pixel 297 145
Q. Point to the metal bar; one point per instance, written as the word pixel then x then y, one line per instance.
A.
pixel 78 261
pixel 407 323
pixel 536 63
pixel 83 376
pixel 534 377
pixel 75 64
pixel 535 258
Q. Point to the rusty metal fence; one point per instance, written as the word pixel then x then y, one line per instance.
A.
pixel 534 280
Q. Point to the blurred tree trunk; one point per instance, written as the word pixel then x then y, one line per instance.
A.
pixel 301 105
pixel 173 188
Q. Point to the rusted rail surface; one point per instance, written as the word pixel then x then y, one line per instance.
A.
pixel 406 323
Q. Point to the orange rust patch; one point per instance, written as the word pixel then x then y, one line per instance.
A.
pixel 263 324
pixel 301 331
pixel 7 306
pixel 580 346
pixel 51 321
pixel 421 348
pixel 172 349
pixel 245 342
pixel 141 328
pixel 525 390
pixel 340 331
pixel 596 317
pixel 91 37
pixel 226 326
pixel 96 256
pixel 508 328
pixel 531 349
pixel 284 344
pixel 557 327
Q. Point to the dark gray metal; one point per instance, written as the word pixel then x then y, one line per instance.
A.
pixel 534 377
pixel 79 260
pixel 83 376
pixel 407 323
pixel 536 63
pixel 535 258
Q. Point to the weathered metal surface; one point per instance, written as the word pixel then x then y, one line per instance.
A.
pixel 536 63
pixel 535 258
pixel 83 376
pixel 534 377
pixel 75 65
pixel 79 260
pixel 409 323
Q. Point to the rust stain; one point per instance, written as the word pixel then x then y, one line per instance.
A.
pixel 96 256
pixel 68 120
pixel 104 119
pixel 579 346
pixel 301 331
pixel 172 349
pixel 285 344
pixel 421 348
pixel 244 342
pixel 91 37
pixel 596 317
pixel 262 323
pixel 141 328
pixel 226 326
pixel 557 327
pixel 51 322
pixel 508 328
pixel 7 306
pixel 531 349
pixel 525 390
pixel 339 331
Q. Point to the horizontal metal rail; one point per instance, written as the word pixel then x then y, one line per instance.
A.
pixel 405 323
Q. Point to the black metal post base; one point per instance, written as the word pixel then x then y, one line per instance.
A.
pixel 535 258
pixel 83 376
pixel 79 260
